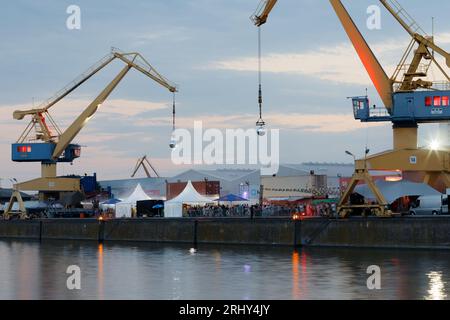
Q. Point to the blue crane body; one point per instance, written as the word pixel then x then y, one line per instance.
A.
pixel 407 107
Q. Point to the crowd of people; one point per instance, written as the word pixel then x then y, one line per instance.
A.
pixel 270 210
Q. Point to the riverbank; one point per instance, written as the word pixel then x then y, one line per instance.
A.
pixel 411 233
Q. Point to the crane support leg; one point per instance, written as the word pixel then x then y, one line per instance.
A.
pixel 420 165
pixel 379 209
pixel 15 197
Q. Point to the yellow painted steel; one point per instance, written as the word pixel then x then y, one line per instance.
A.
pixel 66 138
pixel 406 156
pixel 15 197
pixel 405 138
pixel 262 12
pixel 143 162
pixel 382 82
pixel 380 209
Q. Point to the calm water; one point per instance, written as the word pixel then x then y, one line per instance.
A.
pixel 31 270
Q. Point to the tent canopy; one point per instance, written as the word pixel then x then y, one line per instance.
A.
pixel 395 190
pixel 190 196
pixel 111 201
pixel 231 198
pixel 137 195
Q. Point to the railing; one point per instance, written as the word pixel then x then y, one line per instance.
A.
pixel 441 85
pixel 378 112
pixel 406 17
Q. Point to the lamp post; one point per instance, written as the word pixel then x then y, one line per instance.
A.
pixel 351 154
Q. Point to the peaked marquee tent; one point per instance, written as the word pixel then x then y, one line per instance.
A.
pixel 174 208
pixel 137 195
pixel 125 207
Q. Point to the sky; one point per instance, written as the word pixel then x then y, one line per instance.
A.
pixel 209 49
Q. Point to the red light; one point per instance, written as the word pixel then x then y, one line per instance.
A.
pixel 437 101
pixel 428 101
pixel 24 149
pixel 445 101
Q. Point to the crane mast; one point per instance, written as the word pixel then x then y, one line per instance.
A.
pixel 424 51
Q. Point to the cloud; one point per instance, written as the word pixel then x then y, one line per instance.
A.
pixel 66 111
pixel 174 34
pixel 338 64
pixel 316 123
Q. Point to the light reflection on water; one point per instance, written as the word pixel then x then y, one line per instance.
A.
pixel 32 270
pixel 437 289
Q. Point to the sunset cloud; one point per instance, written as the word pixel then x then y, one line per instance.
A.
pixel 317 123
pixel 338 63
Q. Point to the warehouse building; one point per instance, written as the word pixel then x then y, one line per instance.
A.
pixel 245 183
pixel 297 181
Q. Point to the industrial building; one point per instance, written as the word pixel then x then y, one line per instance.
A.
pixel 305 180
pixel 242 182
pixel 291 181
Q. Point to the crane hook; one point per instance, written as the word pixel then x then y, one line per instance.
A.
pixel 173 142
pixel 260 124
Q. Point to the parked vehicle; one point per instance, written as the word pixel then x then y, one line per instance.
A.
pixel 430 205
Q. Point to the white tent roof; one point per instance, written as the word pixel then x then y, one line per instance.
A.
pixel 190 196
pixel 137 195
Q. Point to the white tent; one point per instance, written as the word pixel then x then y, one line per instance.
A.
pixel 124 208
pixel 137 195
pixel 174 208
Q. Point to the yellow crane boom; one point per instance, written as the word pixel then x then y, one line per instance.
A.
pixel 132 61
pixel 382 83
pixel 262 12
pixel 63 139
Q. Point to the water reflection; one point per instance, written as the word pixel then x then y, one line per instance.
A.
pixel 32 270
pixel 100 274
pixel 437 286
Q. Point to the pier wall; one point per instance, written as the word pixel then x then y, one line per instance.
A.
pixel 427 232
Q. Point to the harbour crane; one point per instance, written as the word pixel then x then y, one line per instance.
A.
pixel 43 141
pixel 143 162
pixel 409 99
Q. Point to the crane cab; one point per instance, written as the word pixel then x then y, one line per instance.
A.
pixel 366 113
pixel 417 107
pixel 42 152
